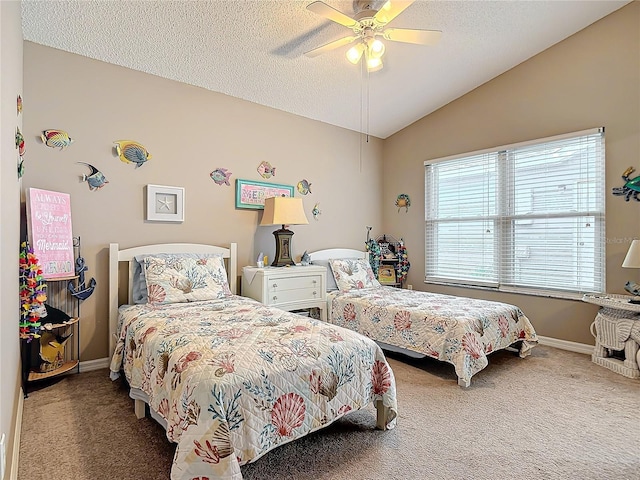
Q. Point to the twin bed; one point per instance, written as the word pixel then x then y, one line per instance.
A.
pixel 231 379
pixel 458 330
pixel 227 377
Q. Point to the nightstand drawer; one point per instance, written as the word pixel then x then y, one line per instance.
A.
pixel 296 295
pixel 293 283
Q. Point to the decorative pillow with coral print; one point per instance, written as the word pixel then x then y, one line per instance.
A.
pixel 176 278
pixel 353 274
pixel 139 282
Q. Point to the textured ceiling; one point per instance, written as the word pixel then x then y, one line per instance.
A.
pixel 254 50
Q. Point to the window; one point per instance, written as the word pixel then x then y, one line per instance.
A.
pixel 527 218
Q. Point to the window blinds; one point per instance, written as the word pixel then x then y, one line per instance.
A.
pixel 522 217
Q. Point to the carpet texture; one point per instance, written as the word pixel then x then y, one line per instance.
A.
pixel 553 415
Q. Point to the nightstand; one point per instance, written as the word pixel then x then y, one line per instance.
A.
pixel 288 288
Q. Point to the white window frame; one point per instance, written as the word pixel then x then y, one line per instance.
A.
pixel 501 246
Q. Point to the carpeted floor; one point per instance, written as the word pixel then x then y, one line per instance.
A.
pixel 553 415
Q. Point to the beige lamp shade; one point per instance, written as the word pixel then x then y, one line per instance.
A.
pixel 632 260
pixel 283 211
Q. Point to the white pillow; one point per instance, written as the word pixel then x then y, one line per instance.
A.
pixel 179 278
pixel 353 274
pixel 139 281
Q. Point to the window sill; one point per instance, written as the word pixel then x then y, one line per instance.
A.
pixel 533 293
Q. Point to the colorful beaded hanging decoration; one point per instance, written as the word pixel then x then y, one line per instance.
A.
pixel 33 294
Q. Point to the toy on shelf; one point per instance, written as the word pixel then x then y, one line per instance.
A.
pixel 394 253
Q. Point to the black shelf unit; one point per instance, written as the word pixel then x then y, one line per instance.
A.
pixel 60 297
pixel 388 258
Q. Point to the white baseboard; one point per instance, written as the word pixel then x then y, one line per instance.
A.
pixel 566 345
pixel 96 364
pixel 15 458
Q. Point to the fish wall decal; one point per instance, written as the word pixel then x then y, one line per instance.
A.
pixel 56 138
pixel 221 176
pixel 304 187
pixel 132 152
pixel 95 179
pixel 266 170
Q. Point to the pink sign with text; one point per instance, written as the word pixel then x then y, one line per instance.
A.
pixel 50 233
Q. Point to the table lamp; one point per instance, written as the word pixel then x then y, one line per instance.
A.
pixel 632 260
pixel 283 211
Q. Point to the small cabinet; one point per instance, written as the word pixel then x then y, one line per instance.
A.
pixel 288 288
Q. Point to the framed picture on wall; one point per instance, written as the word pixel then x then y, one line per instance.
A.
pixel 165 204
pixel 251 194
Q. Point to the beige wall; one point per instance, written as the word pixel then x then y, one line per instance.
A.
pixel 10 87
pixel 190 132
pixel 589 80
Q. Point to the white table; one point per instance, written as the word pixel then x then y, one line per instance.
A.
pixel 288 288
pixel 617 326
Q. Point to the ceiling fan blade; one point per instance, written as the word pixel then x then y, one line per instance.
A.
pixel 331 13
pixel 391 10
pixel 407 35
pixel 330 46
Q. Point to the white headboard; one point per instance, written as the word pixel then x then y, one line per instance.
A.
pixel 128 254
pixel 324 255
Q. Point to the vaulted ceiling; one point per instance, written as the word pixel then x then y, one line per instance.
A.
pixel 254 50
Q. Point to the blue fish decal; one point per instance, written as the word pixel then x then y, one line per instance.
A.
pixel 132 152
pixel 304 187
pixel 95 179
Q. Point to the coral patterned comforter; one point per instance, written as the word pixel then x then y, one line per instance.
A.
pixel 234 379
pixel 458 330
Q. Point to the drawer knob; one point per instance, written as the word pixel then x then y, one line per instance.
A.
pixel 275 298
pixel 275 285
pixel 314 281
pixel 315 293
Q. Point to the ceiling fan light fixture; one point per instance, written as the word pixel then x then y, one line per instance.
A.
pixel 376 49
pixel 368 24
pixel 374 64
pixel 355 53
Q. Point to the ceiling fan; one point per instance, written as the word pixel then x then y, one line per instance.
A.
pixel 368 24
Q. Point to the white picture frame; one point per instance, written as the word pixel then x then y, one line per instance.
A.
pixel 165 203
